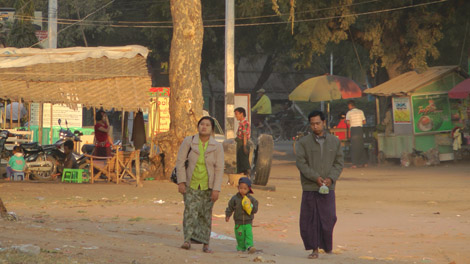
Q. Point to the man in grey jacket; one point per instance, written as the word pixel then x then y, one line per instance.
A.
pixel 320 162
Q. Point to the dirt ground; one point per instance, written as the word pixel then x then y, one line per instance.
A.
pixel 386 214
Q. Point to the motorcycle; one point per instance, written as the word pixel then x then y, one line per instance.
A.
pixel 38 158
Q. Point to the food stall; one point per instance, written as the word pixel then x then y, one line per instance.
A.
pixel 423 116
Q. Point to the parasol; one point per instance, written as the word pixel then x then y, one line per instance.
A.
pixel 461 90
pixel 325 88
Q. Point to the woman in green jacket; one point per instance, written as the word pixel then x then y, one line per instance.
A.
pixel 199 180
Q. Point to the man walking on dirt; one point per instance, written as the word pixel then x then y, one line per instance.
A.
pixel 319 158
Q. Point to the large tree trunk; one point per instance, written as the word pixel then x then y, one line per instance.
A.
pixel 185 78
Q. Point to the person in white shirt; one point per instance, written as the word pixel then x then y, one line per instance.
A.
pixel 14 113
pixel 355 119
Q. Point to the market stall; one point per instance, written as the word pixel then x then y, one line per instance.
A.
pixel 423 115
pixel 51 80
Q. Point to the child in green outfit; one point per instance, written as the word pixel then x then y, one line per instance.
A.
pixel 243 206
pixel 16 162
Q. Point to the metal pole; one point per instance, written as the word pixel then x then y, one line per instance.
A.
pixel 229 68
pixel 41 122
pixel 51 121
pixel 52 27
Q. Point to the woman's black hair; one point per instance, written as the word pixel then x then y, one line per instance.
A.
pixel 342 115
pixel 99 115
pixel 208 118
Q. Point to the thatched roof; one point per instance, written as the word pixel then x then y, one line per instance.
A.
pixel 108 77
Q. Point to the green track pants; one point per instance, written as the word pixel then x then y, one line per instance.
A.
pixel 244 236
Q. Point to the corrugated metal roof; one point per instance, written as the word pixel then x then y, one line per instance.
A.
pixel 410 81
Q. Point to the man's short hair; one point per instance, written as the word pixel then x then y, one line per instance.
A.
pixel 68 144
pixel 316 113
pixel 241 110
pixel 351 102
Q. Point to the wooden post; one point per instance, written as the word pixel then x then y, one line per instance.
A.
pixel 377 109
pixel 5 115
pixel 11 114
pixel 41 122
pixel 94 116
pixel 126 125
pixel 18 115
pixel 51 122
pixel 122 126
pixel 29 116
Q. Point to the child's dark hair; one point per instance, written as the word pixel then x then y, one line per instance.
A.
pixel 17 148
pixel 241 110
pixel 68 144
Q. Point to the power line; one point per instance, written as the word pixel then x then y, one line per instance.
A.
pixel 76 22
pixel 208 20
pixel 122 25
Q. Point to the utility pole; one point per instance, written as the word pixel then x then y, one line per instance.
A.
pixel 229 68
pixel 52 26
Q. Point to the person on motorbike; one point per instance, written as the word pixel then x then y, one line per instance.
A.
pixel 261 109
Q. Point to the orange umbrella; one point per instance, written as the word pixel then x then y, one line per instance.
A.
pixel 326 88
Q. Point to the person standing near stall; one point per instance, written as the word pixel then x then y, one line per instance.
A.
pixel 355 119
pixel 102 129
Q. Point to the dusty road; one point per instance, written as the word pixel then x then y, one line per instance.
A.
pixel 385 215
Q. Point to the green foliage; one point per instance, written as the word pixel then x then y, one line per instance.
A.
pixel 22 34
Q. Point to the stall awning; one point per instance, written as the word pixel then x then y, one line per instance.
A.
pixel 461 90
pixel 108 77
pixel 410 81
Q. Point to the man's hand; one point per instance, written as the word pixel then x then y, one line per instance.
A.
pixel 328 182
pixel 214 196
pixel 182 188
pixel 227 218
pixel 320 181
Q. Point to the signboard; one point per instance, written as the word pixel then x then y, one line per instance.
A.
pixel 74 117
pixel 431 113
pixel 401 110
pixel 41 34
pixel 161 98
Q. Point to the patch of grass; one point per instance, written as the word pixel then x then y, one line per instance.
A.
pixel 16 257
pixel 81 211
pixel 136 219
pixel 85 219
pixel 115 218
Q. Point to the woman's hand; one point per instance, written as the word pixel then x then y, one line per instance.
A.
pixel 214 196
pixel 182 188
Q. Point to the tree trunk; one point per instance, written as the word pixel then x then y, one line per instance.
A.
pixel 185 78
pixel 3 210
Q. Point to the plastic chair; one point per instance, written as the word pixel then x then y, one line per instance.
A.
pixel 17 176
pixel 73 175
